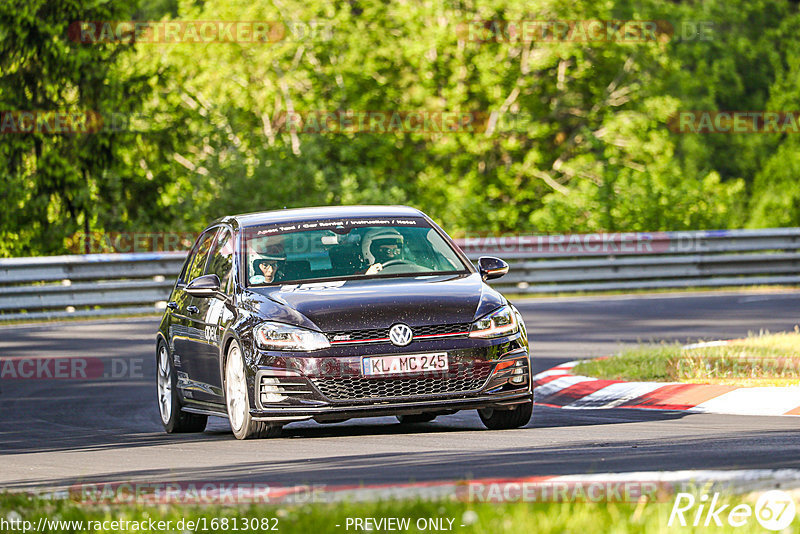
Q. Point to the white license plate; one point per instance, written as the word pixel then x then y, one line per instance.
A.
pixel 403 364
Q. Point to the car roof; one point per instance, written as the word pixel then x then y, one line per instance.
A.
pixel 321 212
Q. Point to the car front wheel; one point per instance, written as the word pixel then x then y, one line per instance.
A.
pixel 238 402
pixel 505 419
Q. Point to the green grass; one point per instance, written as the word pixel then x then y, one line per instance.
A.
pixel 320 518
pixel 759 360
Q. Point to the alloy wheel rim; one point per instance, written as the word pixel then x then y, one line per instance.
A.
pixel 164 386
pixel 235 389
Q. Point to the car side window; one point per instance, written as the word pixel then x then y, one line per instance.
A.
pixel 197 263
pixel 221 261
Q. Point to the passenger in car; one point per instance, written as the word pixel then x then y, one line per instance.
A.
pixel 268 269
pixel 270 259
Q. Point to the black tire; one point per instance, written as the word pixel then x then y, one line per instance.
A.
pixel 175 420
pixel 416 418
pixel 237 400
pixel 506 419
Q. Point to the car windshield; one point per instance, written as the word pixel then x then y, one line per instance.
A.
pixel 345 249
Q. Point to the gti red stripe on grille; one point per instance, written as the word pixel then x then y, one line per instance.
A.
pixel 426 336
pixel 442 335
pixel 361 340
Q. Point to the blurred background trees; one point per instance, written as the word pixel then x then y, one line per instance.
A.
pixel 206 137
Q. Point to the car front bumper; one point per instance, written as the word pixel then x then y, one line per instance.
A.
pixel 330 387
pixel 442 405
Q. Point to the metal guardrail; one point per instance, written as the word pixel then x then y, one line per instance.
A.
pixel 656 260
pixel 86 285
pixel 109 284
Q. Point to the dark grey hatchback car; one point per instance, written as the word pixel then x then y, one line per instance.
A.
pixel 333 313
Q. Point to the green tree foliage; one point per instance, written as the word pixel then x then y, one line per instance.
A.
pixel 56 184
pixel 581 141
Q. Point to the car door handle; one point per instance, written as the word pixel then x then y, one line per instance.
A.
pixel 172 305
pixel 193 309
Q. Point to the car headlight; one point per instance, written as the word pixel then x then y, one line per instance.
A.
pixel 499 323
pixel 279 336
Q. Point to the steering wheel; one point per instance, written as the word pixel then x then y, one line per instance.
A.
pixel 402 266
pixel 397 262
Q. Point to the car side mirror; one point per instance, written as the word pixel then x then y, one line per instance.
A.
pixel 491 268
pixel 204 286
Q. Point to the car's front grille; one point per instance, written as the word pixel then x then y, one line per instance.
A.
pixel 382 334
pixel 355 388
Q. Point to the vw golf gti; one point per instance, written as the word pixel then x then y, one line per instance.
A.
pixel 333 313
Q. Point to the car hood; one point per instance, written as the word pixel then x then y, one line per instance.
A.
pixel 376 303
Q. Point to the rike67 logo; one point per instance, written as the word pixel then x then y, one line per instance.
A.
pixel 774 510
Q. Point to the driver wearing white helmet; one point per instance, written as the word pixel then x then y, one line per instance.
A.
pixel 381 246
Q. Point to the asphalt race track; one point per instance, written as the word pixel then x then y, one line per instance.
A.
pixel 61 432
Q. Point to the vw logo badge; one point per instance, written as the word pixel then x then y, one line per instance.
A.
pixel 400 335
